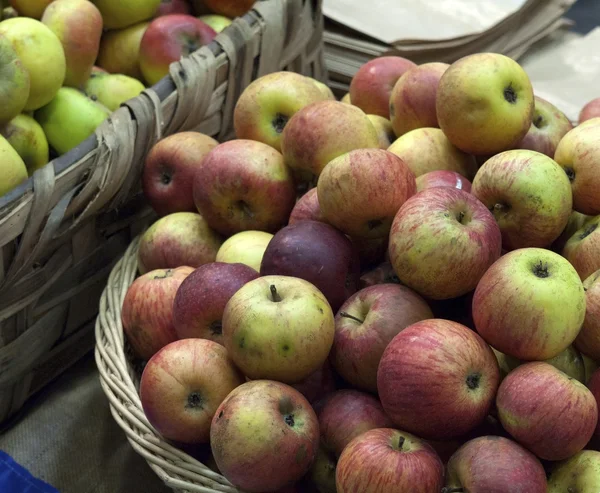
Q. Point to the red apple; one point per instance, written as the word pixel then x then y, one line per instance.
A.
pixel 361 191
pixel 318 253
pixel 548 127
pixel 442 242
pixel 546 411
pixel 495 464
pixel 594 386
pixel 181 238
pixel 169 171
pixel 437 379
pixel 412 101
pixel 372 85
pixel 169 38
pixel 371 251
pixel 383 273
pixel 583 248
pixel 317 385
pixel 307 207
pixel 364 326
pixel 183 384
pixel 168 7
pixel 147 313
pixel 244 185
pixel 201 299
pixel 588 339
pixel 443 178
pixel 590 110
pixel 345 415
pixel 264 436
pixel 385 460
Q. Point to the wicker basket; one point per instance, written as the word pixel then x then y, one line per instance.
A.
pixel 62 230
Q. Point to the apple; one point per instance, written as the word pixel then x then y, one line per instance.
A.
pixel 229 8
pixel 27 137
pixel 201 299
pixel 182 386
pixel 590 366
pixel 365 325
pixel 30 8
pixel 412 101
pixel 346 99
pixel 318 253
pixel 147 312
pixel 548 126
pixel 112 90
pixel 14 81
pixel 41 54
pixel 279 328
pixel 317 385
pixel 588 339
pixel 578 153
pixel 321 132
pixel 384 130
pixel 442 242
pixel 372 84
pixel 382 274
pixel 437 379
pixel 266 105
pixel 70 118
pixel 307 208
pixel 325 90
pixel 529 196
pixel 361 191
pixel 78 26
pixel 384 460
pixel 371 251
pixel 443 178
pixel 217 22
pixel 169 170
pixel 168 7
pixel 345 414
pixel 168 39
pixel 12 168
pixel 244 185
pixel 428 149
pixel 576 221
pixel 119 50
pixel 590 110
pixel 118 14
pixel 579 473
pixel 246 247
pixel 533 397
pixel 475 93
pixel 181 238
pixel 583 248
pixel 594 386
pixel 322 472
pixel 494 463
pixel 264 436
pixel 515 308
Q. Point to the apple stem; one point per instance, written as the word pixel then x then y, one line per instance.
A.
pixel 275 294
pixel 401 441
pixel 347 315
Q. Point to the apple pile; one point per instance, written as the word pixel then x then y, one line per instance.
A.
pixel 65 65
pixel 395 293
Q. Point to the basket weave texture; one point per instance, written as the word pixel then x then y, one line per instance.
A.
pixel 61 231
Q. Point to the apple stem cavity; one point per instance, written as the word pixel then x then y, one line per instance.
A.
pixel 279 122
pixel 460 217
pixel 274 294
pixel 216 327
pixel 245 209
pixel 510 95
pixel 450 489
pixel 165 178
pixel 289 419
pixel 374 224
pixel 194 401
pixel 538 121
pixel 347 315
pixel 570 174
pixel 473 380
pixel 401 441
pixel 541 270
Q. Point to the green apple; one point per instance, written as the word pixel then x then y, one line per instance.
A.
pixel 118 14
pixel 78 26
pixel 327 92
pixel 120 50
pixel 27 137
pixel 70 118
pixel 246 247
pixel 485 103
pixel 576 221
pixel 578 474
pixel 217 22
pixel 583 248
pixel 41 53
pixel 30 8
pixel 12 168
pixel 14 82
pixel 428 149
pixel 278 328
pixel 112 90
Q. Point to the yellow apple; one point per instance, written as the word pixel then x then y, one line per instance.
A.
pixel 30 8
pixel 12 168
pixel 384 130
pixel 217 22
pixel 14 82
pixel 247 247
pixel 70 118
pixel 120 50
pixel 346 98
pixel 42 55
pixel 118 14
pixel 112 90
pixel 27 137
